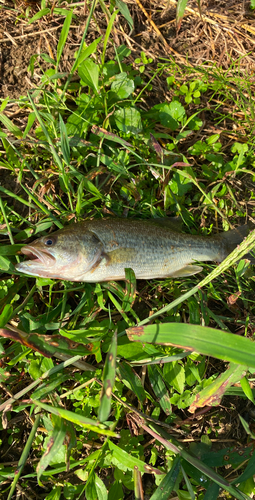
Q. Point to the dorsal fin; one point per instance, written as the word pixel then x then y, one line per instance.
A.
pixel 174 223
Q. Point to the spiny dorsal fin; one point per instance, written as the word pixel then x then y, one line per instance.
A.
pixel 174 223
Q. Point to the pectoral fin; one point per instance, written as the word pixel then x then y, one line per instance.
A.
pixel 123 256
pixel 186 271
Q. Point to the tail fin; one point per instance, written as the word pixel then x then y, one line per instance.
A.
pixel 233 238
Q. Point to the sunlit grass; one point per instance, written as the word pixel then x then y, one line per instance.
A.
pixel 97 148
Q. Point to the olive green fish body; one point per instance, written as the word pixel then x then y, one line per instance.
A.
pixel 100 250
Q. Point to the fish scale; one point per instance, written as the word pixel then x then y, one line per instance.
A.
pixel 100 250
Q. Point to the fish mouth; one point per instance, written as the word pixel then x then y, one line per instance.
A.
pixel 38 256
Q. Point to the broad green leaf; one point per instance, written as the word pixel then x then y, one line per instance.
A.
pixel 10 249
pixel 100 489
pixel 128 120
pixel 226 456
pixel 133 351
pixel 116 491
pixel 208 341
pixel 91 493
pixel 122 85
pixel 248 471
pixel 124 10
pixel 87 52
pixel 89 72
pixel 130 461
pixel 174 374
pixel 108 381
pixel 171 114
pixel 6 265
pixel 55 493
pixel 95 488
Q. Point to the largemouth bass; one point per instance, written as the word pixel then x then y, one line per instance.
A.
pixel 100 250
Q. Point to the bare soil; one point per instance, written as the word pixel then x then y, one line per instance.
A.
pixel 223 34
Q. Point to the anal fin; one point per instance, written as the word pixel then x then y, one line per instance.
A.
pixel 185 271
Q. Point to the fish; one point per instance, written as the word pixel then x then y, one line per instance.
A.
pixel 101 249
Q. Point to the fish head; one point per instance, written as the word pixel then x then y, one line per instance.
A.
pixel 65 254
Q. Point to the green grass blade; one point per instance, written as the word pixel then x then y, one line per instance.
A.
pixel 208 341
pixel 181 6
pixel 107 34
pixel 211 395
pixel 56 440
pixel 131 379
pixel 39 15
pixel 64 139
pixel 24 456
pixel 46 374
pixel 166 486
pixel 163 438
pixel 76 62
pixel 88 51
pixel 159 389
pixel 87 423
pixel 42 207
pixel 9 125
pixel 212 492
pixel 64 35
pixel 108 381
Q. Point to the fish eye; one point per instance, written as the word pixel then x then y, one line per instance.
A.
pixel 50 241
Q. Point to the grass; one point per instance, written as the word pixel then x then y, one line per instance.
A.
pixel 114 418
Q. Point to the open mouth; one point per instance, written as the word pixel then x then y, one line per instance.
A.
pixel 38 256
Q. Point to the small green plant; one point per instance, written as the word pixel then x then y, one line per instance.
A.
pixel 143 61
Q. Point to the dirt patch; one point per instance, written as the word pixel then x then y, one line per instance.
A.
pixel 223 34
